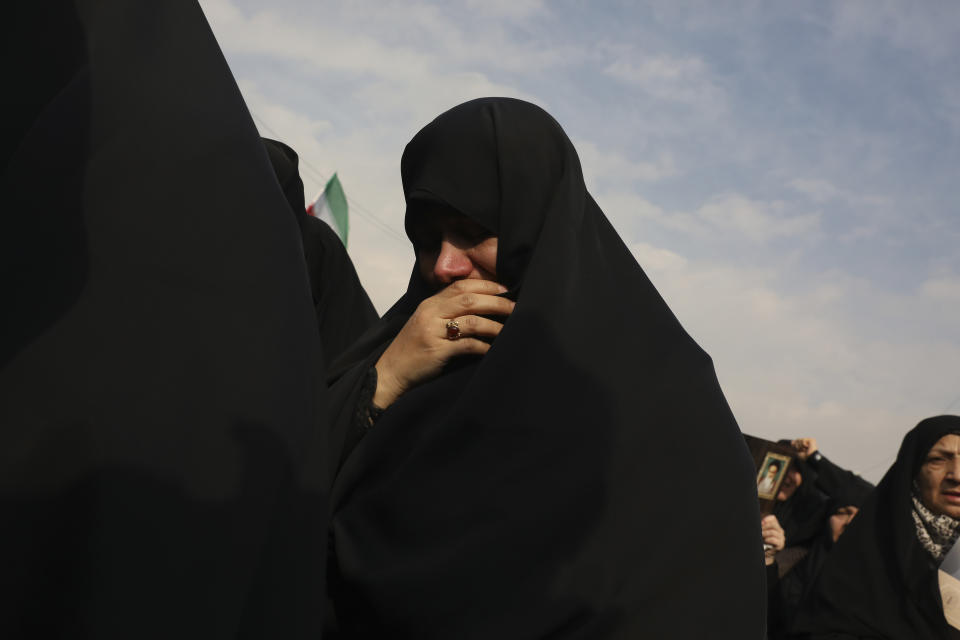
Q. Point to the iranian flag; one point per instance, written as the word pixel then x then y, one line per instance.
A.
pixel 330 205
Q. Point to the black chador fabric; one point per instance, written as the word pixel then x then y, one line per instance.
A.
pixel 842 486
pixel 161 389
pixel 878 582
pixel 561 485
pixel 343 308
pixel 796 570
pixel 824 488
pixel 803 514
pixel 798 566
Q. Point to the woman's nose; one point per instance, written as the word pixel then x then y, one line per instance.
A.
pixel 452 263
pixel 953 470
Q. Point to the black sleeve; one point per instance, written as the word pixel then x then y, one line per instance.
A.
pixel 365 413
pixel 774 614
pixel 773 576
pixel 353 411
pixel 840 485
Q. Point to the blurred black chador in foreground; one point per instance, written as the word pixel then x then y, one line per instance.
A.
pixel 161 390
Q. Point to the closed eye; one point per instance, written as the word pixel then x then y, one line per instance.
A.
pixel 426 240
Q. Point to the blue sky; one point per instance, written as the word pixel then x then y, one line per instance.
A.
pixel 786 173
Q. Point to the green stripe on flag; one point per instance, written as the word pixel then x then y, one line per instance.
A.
pixel 337 202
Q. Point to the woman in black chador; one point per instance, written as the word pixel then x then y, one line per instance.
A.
pixel 880 579
pixel 532 445
pixel 162 387
pixel 343 308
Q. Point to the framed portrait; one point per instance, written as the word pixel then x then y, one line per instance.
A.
pixel 770 475
pixel 771 461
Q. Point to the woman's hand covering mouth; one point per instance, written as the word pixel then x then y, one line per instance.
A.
pixel 424 345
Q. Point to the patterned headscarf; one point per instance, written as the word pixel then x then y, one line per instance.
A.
pixel 936 533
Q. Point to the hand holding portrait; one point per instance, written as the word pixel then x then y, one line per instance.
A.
pixel 774 539
pixel 805 447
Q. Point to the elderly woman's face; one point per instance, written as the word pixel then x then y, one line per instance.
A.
pixel 939 477
pixel 450 246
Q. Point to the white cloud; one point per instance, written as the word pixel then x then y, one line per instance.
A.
pixel 278 117
pixel 402 41
pixel 800 363
pixel 932 32
pixel 613 168
pixel 942 288
pixel 655 259
pixel 514 9
pixel 949 108
pixel 267 33
pixel 757 221
pixel 821 191
pixel 685 80
pixel 728 218
pixel 656 69
pixel 627 210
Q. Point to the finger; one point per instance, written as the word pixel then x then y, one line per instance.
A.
pixel 472 285
pixel 474 326
pixel 468 346
pixel 475 304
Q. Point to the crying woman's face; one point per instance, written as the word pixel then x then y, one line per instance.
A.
pixel 450 247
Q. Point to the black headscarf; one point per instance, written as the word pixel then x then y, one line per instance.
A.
pixel 878 581
pixel 161 389
pixel 343 308
pixel 569 483
pixel 803 514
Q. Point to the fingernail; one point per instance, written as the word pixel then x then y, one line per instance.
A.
pixel 503 289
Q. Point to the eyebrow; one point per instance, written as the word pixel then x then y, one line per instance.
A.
pixel 942 452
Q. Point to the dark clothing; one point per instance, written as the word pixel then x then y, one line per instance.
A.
pixel 805 519
pixel 824 487
pixel 878 582
pixel 843 487
pixel 343 308
pixel 790 579
pixel 536 491
pixel 161 390
pixel 803 514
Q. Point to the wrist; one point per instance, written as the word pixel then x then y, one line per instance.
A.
pixel 388 390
